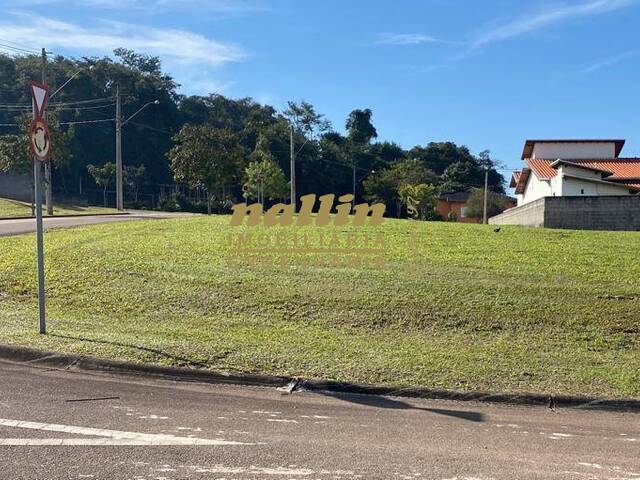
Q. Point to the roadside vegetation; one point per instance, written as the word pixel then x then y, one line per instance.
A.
pixel 13 208
pixel 458 306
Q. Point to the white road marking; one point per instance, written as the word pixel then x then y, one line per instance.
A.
pixel 110 437
pixel 275 471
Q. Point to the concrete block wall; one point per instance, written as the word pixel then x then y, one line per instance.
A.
pixel 577 213
pixel 530 214
pixel 15 187
pixel 593 213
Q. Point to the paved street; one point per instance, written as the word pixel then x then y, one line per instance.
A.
pixel 59 424
pixel 27 225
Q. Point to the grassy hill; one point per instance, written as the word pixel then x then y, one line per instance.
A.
pixel 456 306
pixel 13 208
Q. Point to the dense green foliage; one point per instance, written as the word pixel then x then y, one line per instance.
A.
pixel 173 133
pixel 457 306
pixel 496 203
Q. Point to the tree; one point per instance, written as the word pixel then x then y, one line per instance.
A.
pixel 360 130
pixel 305 119
pixel 383 186
pixel 16 158
pixel 265 179
pixel 496 203
pixel 462 175
pixel 437 156
pixel 421 200
pixel 208 157
pixel 134 177
pixel 103 176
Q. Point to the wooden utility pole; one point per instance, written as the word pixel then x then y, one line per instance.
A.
pixel 293 169
pixel 353 202
pixel 486 188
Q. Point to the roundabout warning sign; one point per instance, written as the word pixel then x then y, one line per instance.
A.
pixel 39 139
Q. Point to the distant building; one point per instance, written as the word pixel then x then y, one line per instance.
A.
pixel 456 202
pixel 558 168
pixel 577 184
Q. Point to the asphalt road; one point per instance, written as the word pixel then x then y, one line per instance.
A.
pixel 27 225
pixel 66 424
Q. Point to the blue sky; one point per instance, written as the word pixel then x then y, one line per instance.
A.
pixel 483 73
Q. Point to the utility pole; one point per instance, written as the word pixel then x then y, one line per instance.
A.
pixel 293 169
pixel 47 164
pixel 119 198
pixel 486 188
pixel 353 202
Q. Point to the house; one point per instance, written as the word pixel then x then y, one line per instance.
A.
pixel 576 184
pixel 456 202
pixel 558 168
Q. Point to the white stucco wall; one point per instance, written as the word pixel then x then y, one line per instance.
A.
pixel 576 187
pixel 535 189
pixel 565 183
pixel 553 150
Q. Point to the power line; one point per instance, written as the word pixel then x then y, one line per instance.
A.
pixel 13 51
pixel 84 108
pixel 19 46
pixel 86 122
pixel 19 106
pixel 82 102
pixel 78 122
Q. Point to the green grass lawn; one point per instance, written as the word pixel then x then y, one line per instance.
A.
pixel 13 208
pixel 463 307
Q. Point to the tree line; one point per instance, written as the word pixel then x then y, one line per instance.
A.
pixel 231 149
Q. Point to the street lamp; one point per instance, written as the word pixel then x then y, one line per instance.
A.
pixel 119 125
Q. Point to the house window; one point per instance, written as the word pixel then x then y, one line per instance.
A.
pixel 464 212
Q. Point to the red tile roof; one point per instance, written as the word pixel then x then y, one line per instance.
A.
pixel 622 170
pixel 523 178
pixel 514 179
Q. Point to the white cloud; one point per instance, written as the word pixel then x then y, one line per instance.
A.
pixel 407 39
pixel 608 62
pixel 543 18
pixel 176 45
pixel 217 7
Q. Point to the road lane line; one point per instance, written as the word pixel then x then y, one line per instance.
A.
pixel 111 437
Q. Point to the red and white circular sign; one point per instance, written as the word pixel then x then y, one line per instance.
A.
pixel 39 139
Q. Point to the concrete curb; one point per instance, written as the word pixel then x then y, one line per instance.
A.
pixel 68 361
pixel 68 215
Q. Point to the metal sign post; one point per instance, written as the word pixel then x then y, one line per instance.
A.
pixel 40 144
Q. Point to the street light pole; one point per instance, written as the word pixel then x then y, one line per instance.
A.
pixel 119 195
pixel 486 187
pixel 119 124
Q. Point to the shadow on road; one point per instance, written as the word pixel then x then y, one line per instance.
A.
pixel 385 402
pixel 180 361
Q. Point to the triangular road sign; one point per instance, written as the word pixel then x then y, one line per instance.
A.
pixel 39 93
